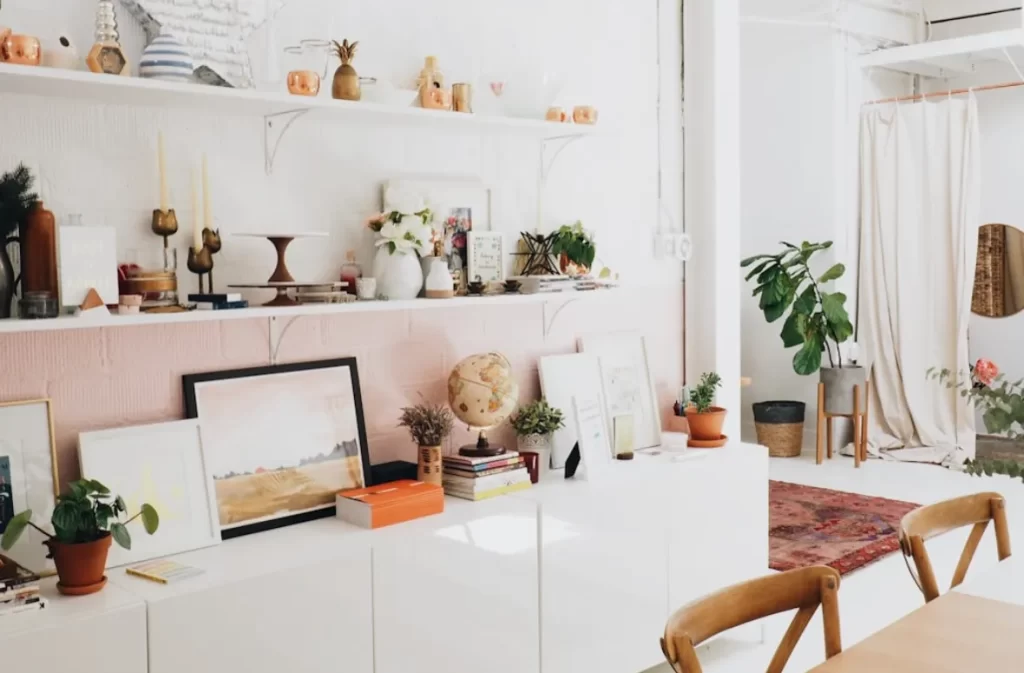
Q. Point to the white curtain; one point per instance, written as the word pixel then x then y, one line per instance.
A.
pixel 920 209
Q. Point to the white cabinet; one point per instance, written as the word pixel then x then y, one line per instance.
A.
pixel 102 632
pixel 457 593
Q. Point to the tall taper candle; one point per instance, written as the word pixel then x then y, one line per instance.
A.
pixel 197 225
pixel 165 198
pixel 207 213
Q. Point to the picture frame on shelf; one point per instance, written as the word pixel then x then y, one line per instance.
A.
pixel 280 441
pixel 627 383
pixel 562 378
pixel 459 207
pixel 28 477
pixel 486 256
pixel 594 443
pixel 163 465
pixel 87 260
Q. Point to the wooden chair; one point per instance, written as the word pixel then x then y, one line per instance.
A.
pixel 932 520
pixel 803 590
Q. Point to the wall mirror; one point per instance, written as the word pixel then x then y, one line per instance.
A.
pixel 999 278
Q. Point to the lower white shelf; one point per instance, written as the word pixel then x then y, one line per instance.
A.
pixel 87 322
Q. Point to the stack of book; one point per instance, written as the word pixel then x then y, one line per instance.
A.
pixel 555 284
pixel 218 302
pixel 19 589
pixel 482 478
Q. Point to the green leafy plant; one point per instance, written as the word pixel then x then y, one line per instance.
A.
pixel 576 244
pixel 703 395
pixel 818 321
pixel 86 514
pixel 428 424
pixel 537 418
pixel 1001 403
pixel 16 200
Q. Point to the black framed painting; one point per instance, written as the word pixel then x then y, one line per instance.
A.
pixel 279 442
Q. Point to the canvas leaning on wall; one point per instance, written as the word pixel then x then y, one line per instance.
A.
pixel 281 441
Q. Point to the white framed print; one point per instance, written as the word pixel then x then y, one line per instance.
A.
pixel 563 377
pixel 592 430
pixel 627 383
pixel 87 260
pixel 28 477
pixel 486 256
pixel 163 465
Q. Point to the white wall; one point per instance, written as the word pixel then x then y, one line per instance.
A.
pixel 99 160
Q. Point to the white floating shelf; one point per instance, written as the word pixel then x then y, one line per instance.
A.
pixel 85 322
pixel 950 58
pixel 109 89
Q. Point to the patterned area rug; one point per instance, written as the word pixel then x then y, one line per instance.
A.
pixel 817 526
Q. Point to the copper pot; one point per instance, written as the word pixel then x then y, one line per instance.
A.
pixel 303 83
pixel 21 49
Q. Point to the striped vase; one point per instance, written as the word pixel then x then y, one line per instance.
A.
pixel 166 58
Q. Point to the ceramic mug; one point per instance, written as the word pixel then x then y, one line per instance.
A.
pixel 556 114
pixel 366 288
pixel 21 49
pixel 584 114
pixel 303 83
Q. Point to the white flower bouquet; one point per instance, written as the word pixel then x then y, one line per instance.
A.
pixel 406 227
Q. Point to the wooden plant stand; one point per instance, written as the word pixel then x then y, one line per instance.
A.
pixel 860 424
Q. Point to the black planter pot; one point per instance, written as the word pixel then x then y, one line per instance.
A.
pixel 780 427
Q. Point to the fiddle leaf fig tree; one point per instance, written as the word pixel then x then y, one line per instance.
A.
pixel 817 321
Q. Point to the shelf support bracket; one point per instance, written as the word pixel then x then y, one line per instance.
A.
pixel 274 128
pixel 551 314
pixel 550 150
pixel 277 328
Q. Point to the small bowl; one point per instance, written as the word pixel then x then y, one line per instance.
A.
pixel 476 288
pixel 383 93
pixel 512 286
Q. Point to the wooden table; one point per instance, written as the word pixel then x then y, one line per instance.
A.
pixel 973 629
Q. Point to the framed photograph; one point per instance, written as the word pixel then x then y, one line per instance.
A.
pixel 562 378
pixel 627 383
pixel 279 442
pixel 592 430
pixel 161 465
pixel 486 256
pixel 28 476
pixel 459 207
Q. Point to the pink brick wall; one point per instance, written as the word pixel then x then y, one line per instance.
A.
pixel 104 378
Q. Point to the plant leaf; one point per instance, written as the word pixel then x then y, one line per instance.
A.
pixel 835 273
pixel 121 535
pixel 750 260
pixel 79 489
pixel 793 330
pixel 15 527
pixel 832 307
pixel 775 311
pixel 757 270
pixel 808 359
pixel 150 519
pixel 119 505
pixel 97 487
pixel 806 302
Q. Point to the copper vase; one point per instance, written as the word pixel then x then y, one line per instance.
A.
pixel 39 251
pixel 21 49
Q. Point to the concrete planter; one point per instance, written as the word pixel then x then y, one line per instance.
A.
pixel 839 383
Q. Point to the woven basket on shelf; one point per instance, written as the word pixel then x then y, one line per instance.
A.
pixel 784 440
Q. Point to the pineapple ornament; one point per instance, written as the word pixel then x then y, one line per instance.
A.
pixel 106 56
pixel 346 80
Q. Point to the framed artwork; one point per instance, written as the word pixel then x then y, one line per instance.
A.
pixel 28 476
pixel 592 430
pixel 563 377
pixel 85 257
pixel 163 465
pixel 459 207
pixel 486 256
pixel 279 442
pixel 628 384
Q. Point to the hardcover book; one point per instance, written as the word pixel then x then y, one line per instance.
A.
pixel 388 504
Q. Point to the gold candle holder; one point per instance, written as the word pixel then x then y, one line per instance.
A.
pixel 462 97
pixel 200 263
pixel 165 223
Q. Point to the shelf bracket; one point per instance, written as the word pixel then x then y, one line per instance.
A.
pixel 550 150
pixel 277 328
pixel 274 128
pixel 552 313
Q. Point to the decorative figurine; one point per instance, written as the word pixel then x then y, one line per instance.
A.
pixel 346 80
pixel 106 56
pixel 166 58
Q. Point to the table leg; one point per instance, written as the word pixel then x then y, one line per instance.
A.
pixel 817 427
pixel 856 426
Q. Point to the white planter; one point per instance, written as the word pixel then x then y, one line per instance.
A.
pixel 398 276
pixel 539 444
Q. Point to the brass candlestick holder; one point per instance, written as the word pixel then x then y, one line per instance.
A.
pixel 200 263
pixel 165 224
pixel 213 243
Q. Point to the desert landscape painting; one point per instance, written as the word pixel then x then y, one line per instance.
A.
pixel 280 444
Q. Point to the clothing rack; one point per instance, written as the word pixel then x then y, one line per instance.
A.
pixel 944 94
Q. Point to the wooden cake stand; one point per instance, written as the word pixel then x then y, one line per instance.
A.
pixel 282 279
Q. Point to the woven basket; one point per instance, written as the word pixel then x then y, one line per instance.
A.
pixel 784 440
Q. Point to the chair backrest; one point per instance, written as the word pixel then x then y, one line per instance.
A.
pixel 803 590
pixel 932 520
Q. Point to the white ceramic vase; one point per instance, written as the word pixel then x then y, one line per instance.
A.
pixel 539 444
pixel 399 276
pixel 166 58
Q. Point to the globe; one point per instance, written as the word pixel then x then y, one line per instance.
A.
pixel 483 393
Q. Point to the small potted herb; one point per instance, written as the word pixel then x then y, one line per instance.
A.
pixel 84 522
pixel 705 420
pixel 575 249
pixel 428 425
pixel 535 423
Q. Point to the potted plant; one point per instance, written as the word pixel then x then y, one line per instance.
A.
pixel 84 522
pixel 16 200
pixel 534 424
pixel 575 249
pixel 428 425
pixel 705 420
pixel 817 320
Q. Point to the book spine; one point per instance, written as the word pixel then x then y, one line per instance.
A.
pixel 485 483
pixel 457 472
pixel 492 493
pixel 485 464
pixel 215 298
pixel 221 305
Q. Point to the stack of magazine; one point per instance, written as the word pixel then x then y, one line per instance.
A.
pixel 19 589
pixel 485 477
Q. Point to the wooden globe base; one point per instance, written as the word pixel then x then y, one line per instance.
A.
pixel 482 448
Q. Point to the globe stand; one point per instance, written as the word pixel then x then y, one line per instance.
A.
pixel 482 448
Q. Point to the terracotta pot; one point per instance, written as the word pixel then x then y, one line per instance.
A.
pixel 80 566
pixel 303 83
pixel 21 49
pixel 706 426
